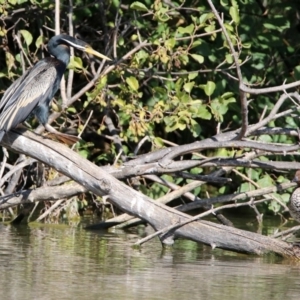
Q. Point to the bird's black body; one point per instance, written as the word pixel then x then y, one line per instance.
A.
pixel 34 91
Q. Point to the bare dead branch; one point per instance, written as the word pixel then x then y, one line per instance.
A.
pixel 238 196
pixel 44 193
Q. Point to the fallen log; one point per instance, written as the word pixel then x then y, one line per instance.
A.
pixel 159 216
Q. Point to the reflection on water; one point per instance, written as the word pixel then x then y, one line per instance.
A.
pixel 61 262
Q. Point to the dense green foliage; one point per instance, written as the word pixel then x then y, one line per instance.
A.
pixel 180 87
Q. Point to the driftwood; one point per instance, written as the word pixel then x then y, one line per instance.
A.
pixel 159 216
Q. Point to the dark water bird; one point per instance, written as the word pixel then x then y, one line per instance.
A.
pixel 34 90
pixel 294 204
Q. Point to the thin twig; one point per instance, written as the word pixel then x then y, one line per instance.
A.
pixel 286 232
pixel 243 98
pixel 19 166
pixel 71 33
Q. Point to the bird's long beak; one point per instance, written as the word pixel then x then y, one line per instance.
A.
pixel 90 50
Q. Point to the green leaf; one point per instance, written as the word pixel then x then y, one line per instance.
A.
pixel 281 179
pixel 198 58
pixel 196 43
pixel 75 63
pixel 195 128
pixel 171 124
pixel 192 76
pixel 2 31
pixel 208 88
pixel 189 86
pixel 222 190
pixel 203 113
pixel 188 29
pixel 141 56
pixel 161 14
pixel 158 142
pixel 247 45
pixel 181 125
pixel 210 28
pixel 10 60
pixel 121 41
pixel 266 181
pixel 39 41
pixel 133 83
pixel 285 197
pixel 84 153
pixel 270 26
pixel 27 36
pixel 170 43
pixel 71 109
pixel 224 2
pixel 229 58
pixel 227 95
pixel 163 55
pixel 223 152
pixel 133 38
pixel 204 17
pixel 234 3
pixel 229 27
pixel 184 58
pixel 265 138
pixel 274 205
pixel 291 122
pixel 297 73
pixel 138 6
pixel 246 187
pixel 219 107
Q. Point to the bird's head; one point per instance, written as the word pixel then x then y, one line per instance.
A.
pixel 66 40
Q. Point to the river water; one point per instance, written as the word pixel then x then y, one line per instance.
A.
pixel 68 262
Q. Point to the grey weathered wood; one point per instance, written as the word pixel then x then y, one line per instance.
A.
pixel 45 193
pixel 158 215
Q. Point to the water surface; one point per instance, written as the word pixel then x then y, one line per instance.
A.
pixel 65 262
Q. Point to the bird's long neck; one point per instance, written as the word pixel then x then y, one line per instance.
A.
pixel 61 52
